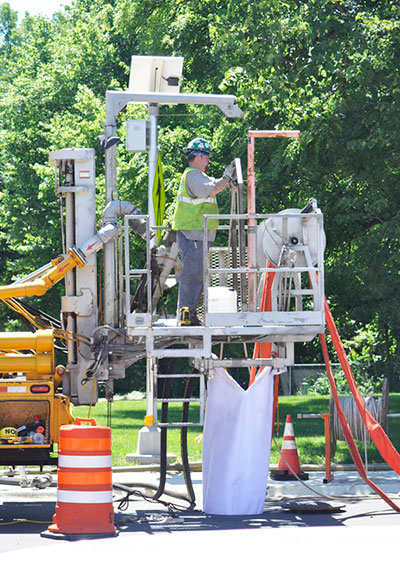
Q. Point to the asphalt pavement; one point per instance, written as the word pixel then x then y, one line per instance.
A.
pixel 303 525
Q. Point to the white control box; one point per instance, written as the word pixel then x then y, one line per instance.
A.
pixel 151 74
pixel 136 135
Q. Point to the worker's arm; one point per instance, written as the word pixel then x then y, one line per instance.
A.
pixel 220 186
pixel 227 177
pixel 200 185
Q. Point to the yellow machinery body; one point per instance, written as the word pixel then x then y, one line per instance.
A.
pixel 24 402
pixel 29 402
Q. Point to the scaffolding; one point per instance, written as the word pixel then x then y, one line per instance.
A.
pixel 297 313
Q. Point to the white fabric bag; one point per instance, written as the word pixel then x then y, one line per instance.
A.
pixel 237 444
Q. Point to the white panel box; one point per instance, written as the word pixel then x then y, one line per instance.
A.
pixel 136 135
pixel 155 74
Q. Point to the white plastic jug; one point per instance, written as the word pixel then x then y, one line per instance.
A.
pixel 222 299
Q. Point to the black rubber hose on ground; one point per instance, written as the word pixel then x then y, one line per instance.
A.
pixel 129 488
pixel 160 489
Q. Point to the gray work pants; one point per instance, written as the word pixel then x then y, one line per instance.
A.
pixel 191 280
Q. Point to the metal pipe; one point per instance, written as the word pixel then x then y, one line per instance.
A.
pixel 150 397
pixel 103 236
pixel 153 152
pixel 251 231
pixel 34 274
pixel 119 209
pixel 121 282
pixel 116 209
pixel 127 270
pixel 70 280
pixel 206 260
pixel 109 248
pixel 109 284
pixel 116 101
pixel 111 164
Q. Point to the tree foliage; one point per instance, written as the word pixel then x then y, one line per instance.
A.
pixel 327 67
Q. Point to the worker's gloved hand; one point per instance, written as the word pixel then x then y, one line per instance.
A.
pixel 233 183
pixel 229 172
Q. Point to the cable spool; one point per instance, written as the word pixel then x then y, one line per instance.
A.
pixel 350 410
pixel 377 406
pixel 273 234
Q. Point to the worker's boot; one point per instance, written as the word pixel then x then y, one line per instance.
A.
pixel 194 321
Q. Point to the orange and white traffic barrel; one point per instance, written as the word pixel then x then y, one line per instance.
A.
pixel 84 491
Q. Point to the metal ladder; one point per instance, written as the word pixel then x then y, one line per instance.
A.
pixel 161 400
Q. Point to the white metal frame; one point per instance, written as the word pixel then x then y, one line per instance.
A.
pixel 278 327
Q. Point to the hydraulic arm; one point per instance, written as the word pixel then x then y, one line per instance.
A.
pixel 38 287
pixel 60 266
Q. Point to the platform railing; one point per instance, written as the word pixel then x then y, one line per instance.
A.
pixel 247 314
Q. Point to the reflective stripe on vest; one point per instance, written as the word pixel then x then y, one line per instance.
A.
pixel 189 211
pixel 195 201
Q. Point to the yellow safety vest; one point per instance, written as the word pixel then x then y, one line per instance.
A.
pixel 189 211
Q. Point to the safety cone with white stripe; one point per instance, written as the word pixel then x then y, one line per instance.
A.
pixel 84 507
pixel 289 464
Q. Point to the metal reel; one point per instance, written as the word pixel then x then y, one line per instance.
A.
pixel 280 239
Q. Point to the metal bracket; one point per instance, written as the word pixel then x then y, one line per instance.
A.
pixel 81 305
pixel 72 189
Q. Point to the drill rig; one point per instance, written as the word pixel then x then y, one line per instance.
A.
pixel 105 336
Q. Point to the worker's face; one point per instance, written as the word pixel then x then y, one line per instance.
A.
pixel 204 161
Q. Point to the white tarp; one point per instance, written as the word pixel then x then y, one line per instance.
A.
pixel 237 444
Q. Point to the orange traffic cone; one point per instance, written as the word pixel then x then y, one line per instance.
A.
pixel 289 455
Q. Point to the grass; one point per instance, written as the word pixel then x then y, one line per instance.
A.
pixel 127 419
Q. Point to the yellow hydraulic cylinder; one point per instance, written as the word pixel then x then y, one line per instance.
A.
pixel 40 286
pixel 15 363
pixel 41 341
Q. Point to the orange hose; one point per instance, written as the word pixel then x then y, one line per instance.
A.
pixel 375 430
pixel 263 349
pixel 347 432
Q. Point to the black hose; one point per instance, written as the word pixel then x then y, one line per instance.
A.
pixel 184 447
pixel 128 487
pixel 160 489
pixel 163 438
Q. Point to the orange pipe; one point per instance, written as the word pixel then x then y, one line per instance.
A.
pixel 263 349
pixel 274 133
pixel 328 474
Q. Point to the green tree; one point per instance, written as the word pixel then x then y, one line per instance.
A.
pixel 326 67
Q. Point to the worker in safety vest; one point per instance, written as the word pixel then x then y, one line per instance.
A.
pixel 196 197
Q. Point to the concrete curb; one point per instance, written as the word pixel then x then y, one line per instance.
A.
pixel 197 467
